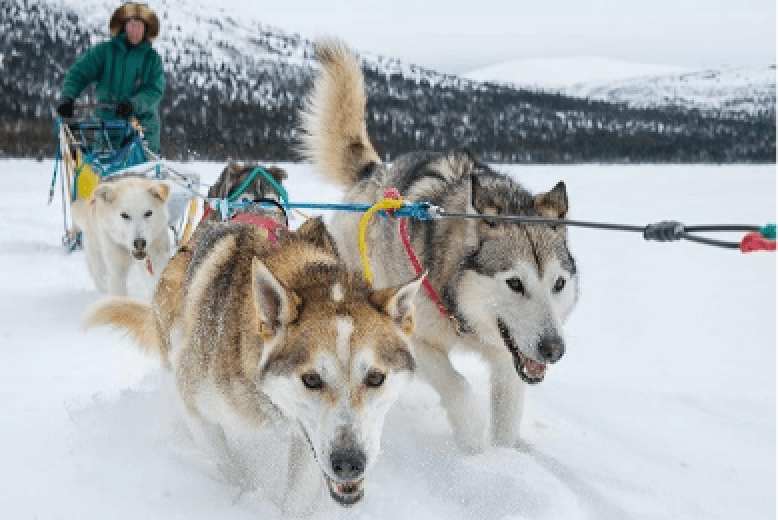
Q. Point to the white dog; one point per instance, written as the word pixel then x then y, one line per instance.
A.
pixel 124 220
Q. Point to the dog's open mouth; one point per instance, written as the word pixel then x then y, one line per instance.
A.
pixel 529 370
pixel 139 255
pixel 345 494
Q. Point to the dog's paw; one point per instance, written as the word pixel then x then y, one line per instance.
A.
pixel 523 446
pixel 236 474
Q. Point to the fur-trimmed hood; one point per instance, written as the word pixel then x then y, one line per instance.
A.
pixel 133 10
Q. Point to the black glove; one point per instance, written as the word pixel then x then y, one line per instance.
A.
pixel 125 109
pixel 65 109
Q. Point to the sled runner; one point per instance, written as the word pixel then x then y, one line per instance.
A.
pixel 92 149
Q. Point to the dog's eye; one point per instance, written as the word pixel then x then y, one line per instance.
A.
pixel 374 379
pixel 559 284
pixel 312 381
pixel 125 216
pixel 147 214
pixel 515 285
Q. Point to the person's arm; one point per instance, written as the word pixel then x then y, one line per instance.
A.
pixel 84 71
pixel 148 97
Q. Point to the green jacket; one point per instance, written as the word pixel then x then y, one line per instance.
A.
pixel 121 73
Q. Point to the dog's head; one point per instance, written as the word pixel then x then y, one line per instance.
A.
pixel 519 281
pixel 335 357
pixel 133 212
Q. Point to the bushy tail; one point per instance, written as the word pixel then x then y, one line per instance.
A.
pixel 134 317
pixel 335 136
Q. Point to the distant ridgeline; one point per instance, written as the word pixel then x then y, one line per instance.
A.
pixel 234 89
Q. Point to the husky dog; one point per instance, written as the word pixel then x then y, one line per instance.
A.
pixel 234 174
pixel 125 219
pixel 171 282
pixel 507 287
pixel 268 332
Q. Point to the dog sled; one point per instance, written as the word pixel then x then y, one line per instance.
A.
pixel 92 149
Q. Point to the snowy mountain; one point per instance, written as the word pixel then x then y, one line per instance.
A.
pixel 235 87
pixel 727 90
pixel 559 73
pixel 745 90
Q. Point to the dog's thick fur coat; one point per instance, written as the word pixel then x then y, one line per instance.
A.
pixel 509 286
pixel 125 220
pixel 255 333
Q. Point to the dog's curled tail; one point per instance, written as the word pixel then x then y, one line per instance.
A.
pixel 134 317
pixel 335 135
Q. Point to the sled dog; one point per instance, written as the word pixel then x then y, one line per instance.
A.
pixel 284 332
pixel 506 287
pixel 171 283
pixel 235 174
pixel 125 220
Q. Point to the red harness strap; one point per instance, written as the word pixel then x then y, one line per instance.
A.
pixel 268 224
pixel 756 242
pixel 206 212
pixel 250 219
pixel 432 294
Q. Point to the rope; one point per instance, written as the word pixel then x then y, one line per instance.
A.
pixel 665 231
pixel 394 194
pixel 384 204
pixel 755 242
pixel 768 231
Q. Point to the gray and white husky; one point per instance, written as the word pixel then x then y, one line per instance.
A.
pixel 508 286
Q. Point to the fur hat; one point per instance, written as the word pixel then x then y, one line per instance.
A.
pixel 133 10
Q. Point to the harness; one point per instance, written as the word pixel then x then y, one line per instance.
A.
pixel 272 226
pixel 393 200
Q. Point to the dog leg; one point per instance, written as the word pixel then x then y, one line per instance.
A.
pixel 118 262
pixel 507 397
pixel 211 438
pixel 457 397
pixel 95 262
pixel 304 479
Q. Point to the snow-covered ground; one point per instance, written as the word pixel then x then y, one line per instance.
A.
pixel 663 407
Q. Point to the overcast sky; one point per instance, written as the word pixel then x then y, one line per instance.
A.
pixel 457 36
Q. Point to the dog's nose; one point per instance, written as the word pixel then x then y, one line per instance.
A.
pixel 139 243
pixel 348 464
pixel 551 348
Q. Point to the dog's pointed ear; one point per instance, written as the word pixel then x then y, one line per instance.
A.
pixel 160 190
pixel 480 198
pixel 232 166
pixel 315 232
pixel 274 306
pixel 279 174
pixel 554 203
pixel 105 193
pixel 397 302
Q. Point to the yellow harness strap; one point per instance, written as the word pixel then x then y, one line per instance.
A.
pixel 191 219
pixel 384 204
